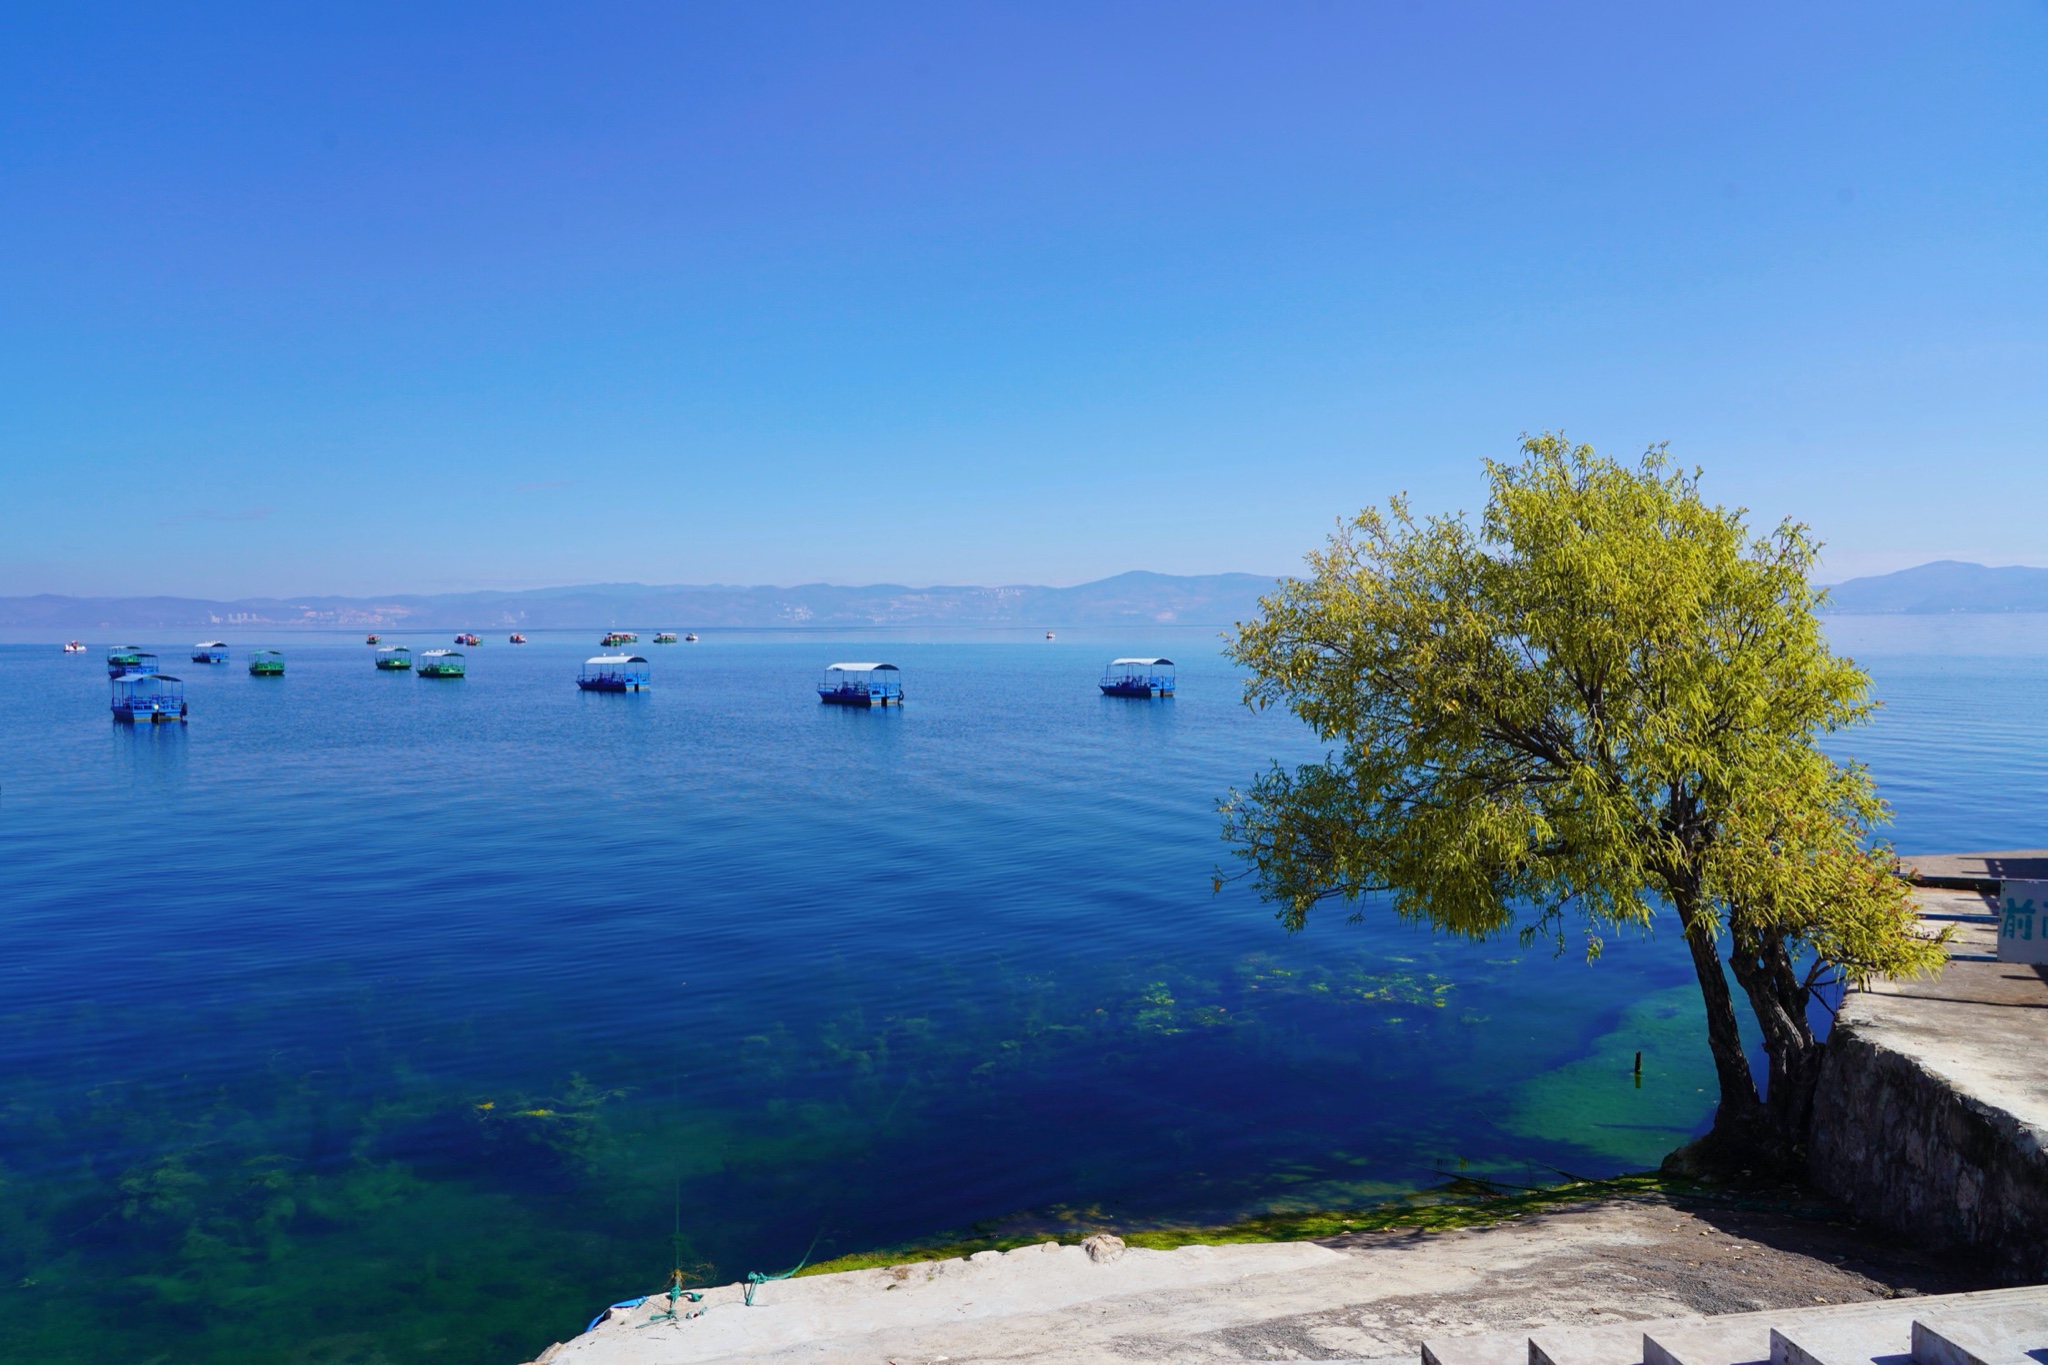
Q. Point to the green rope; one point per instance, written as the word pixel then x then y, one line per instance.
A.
pixel 676 1294
pixel 755 1279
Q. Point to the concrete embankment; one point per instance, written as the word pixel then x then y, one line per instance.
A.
pixel 1931 1120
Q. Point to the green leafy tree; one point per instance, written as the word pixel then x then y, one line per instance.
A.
pixel 1599 708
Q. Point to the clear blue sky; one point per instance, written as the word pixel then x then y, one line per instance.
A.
pixel 429 297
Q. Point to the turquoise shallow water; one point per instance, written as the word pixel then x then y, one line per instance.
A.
pixel 383 1019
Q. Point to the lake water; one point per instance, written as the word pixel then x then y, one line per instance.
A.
pixel 383 1019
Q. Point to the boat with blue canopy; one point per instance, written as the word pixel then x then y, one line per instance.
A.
pixel 614 673
pixel 210 652
pixel 122 659
pixel 861 684
pixel 148 699
pixel 1138 678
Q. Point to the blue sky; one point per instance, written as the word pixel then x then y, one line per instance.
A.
pixel 429 297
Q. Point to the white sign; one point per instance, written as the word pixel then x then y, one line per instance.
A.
pixel 2023 921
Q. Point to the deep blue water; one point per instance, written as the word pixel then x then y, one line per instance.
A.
pixel 364 999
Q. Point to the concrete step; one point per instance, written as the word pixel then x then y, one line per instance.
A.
pixel 1487 1348
pixel 1816 1339
pixel 1618 1343
pixel 2003 1334
pixel 1739 1339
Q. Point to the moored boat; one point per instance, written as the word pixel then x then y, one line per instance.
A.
pixel 394 659
pixel 468 640
pixel 148 699
pixel 614 673
pixel 1138 678
pixel 440 663
pixel 666 637
pixel 266 663
pixel 210 652
pixel 74 646
pixel 691 638
pixel 516 640
pixel 371 640
pixel 125 659
pixel 862 684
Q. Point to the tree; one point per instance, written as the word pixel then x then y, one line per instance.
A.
pixel 1600 708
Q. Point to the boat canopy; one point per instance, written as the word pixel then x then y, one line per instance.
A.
pixel 612 660
pixel 861 668
pixel 1140 663
pixel 211 644
pixel 442 654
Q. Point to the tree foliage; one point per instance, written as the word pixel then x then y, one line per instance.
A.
pixel 1599 707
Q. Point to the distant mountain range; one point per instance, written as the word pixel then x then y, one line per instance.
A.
pixel 1127 599
pixel 1941 587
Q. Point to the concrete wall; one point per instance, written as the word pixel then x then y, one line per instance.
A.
pixel 1927 1156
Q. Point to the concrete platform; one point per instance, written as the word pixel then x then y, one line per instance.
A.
pixel 1976 871
pixel 1932 1116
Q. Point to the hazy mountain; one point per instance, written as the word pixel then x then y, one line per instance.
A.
pixel 1130 598
pixel 1943 586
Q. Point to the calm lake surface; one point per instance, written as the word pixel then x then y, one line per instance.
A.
pixel 384 1019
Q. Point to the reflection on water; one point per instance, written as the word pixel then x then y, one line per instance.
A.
pixel 405 1021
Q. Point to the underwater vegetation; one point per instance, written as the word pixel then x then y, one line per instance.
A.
pixel 363 1207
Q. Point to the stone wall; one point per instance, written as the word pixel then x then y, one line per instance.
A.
pixel 1924 1156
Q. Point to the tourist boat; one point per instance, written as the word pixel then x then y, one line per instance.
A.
pixel 440 663
pixel 614 673
pixel 861 685
pixel 148 699
pixel 517 639
pixel 210 652
pixel 125 659
pixel 266 663
pixel 74 646
pixel 666 637
pixel 395 659
pixel 371 640
pixel 1138 678
pixel 613 639
pixel 691 638
pixel 468 641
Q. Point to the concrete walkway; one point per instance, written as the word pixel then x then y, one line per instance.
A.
pixel 1372 1297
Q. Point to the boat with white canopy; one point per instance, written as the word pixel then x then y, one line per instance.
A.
pixel 1138 678
pixel 862 684
pixel 614 673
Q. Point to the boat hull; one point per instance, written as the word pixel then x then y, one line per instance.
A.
pixel 841 697
pixel 149 715
pixel 1134 690
pixel 610 685
pixel 267 671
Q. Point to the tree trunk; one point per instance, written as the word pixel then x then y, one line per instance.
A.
pixel 1739 1121
pixel 1764 969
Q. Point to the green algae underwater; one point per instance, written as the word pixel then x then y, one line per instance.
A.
pixel 425 1037
pixel 404 1221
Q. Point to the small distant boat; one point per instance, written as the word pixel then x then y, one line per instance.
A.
pixel 861 685
pixel 371 640
pixel 1048 635
pixel 266 663
pixel 691 638
pixel 74 646
pixel 210 652
pixel 614 673
pixel 126 659
pixel 1138 678
pixel 395 659
pixel 516 639
pixel 468 641
pixel 613 639
pixel 440 663
pixel 148 699
pixel 666 637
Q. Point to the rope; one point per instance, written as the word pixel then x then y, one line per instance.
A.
pixel 755 1278
pixel 676 1294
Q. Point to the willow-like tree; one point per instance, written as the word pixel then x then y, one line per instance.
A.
pixel 1601 707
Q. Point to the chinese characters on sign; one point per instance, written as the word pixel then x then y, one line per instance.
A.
pixel 2023 921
